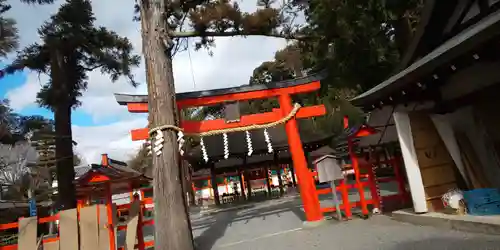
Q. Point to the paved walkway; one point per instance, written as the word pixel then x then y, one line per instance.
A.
pixel 278 226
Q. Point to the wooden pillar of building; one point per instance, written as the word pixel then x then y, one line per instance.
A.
pixel 242 183
pixel 215 185
pixel 278 169
pixel 292 173
pixel 307 187
pixel 280 181
pixel 268 182
pixel 246 174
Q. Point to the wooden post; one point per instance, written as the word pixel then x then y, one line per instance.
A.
pixel 359 184
pixel 373 188
pixel 345 198
pixel 140 233
pixel 307 186
pixel 109 209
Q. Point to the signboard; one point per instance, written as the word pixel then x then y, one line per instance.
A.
pixel 32 207
pixel 328 169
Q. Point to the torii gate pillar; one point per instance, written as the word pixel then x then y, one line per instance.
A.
pixel 306 184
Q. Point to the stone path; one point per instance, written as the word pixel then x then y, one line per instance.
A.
pixel 278 226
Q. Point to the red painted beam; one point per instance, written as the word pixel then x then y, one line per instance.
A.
pixel 210 100
pixel 247 120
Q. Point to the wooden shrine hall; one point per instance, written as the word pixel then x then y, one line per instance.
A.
pixel 442 104
pixel 284 119
pixel 258 165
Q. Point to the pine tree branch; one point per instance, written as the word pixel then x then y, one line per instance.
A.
pixel 188 34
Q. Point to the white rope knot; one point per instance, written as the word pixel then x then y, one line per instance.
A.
pixel 157 139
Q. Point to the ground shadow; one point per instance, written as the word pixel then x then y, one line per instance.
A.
pixel 216 230
pixel 449 243
pixel 229 217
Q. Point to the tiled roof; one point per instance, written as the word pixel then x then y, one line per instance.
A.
pixel 81 170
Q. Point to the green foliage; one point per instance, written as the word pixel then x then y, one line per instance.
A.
pixel 362 41
pixel 358 43
pixel 15 127
pixel 8 31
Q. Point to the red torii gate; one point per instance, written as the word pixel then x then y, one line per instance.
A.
pixel 282 90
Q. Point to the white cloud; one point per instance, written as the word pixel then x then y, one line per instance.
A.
pixel 231 65
pixel 113 139
pixel 25 95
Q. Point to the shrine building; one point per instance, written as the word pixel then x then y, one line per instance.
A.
pixel 441 106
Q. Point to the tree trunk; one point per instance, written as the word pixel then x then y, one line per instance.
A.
pixel 172 230
pixel 64 155
pixel 63 140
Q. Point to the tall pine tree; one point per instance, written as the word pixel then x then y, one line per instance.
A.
pixel 71 47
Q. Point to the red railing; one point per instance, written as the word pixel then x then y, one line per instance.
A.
pixel 372 182
pixel 141 245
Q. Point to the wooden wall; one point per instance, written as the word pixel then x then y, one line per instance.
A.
pixel 436 165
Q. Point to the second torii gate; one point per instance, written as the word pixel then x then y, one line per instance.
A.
pixel 281 90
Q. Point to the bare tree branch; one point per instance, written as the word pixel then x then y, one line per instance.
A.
pixel 188 34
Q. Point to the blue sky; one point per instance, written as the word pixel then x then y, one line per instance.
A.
pixel 79 118
pixel 100 125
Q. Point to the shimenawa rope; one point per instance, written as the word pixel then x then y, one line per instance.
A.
pixel 292 113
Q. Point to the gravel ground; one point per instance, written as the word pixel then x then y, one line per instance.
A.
pixel 278 225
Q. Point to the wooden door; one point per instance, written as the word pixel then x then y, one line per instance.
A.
pixel 436 165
